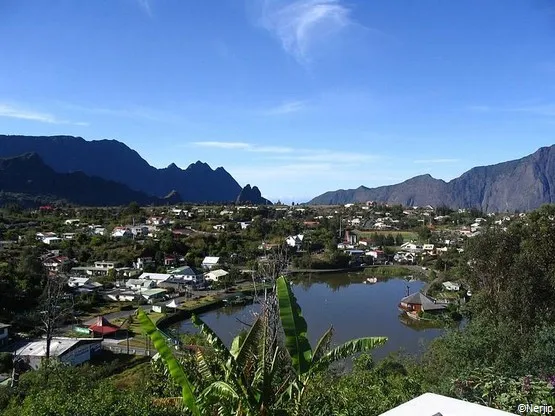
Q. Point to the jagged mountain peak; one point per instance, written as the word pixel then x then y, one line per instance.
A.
pixel 113 160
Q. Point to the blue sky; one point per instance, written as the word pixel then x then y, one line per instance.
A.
pixel 295 96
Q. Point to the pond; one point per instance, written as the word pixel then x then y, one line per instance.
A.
pixel 353 308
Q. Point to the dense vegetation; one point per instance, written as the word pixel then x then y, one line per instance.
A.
pixel 503 355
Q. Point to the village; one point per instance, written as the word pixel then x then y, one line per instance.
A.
pixel 171 261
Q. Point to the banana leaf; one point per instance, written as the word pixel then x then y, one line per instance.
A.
pixel 173 366
pixel 294 327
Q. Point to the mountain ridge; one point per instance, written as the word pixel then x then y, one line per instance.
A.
pixel 517 185
pixel 29 176
pixel 113 160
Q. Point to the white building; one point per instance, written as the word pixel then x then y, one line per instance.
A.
pixel 121 232
pixel 72 351
pixel 215 275
pixel 210 262
pixel 295 240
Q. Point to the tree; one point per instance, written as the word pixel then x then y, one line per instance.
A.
pixel 55 304
pixel 399 240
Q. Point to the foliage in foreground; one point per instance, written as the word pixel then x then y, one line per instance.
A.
pixel 263 372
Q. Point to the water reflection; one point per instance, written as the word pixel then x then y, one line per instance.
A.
pixel 342 300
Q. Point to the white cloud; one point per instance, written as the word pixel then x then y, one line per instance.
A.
pixel 243 146
pixel 300 25
pixel 17 112
pixel 287 108
pixel 431 161
pixel 222 145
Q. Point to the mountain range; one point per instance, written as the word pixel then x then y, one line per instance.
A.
pixel 114 161
pixel 517 185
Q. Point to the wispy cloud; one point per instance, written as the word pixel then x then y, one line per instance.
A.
pixel 432 161
pixel 304 156
pixel 243 146
pixel 546 109
pixel 301 25
pixel 18 112
pixel 145 6
pixel 286 108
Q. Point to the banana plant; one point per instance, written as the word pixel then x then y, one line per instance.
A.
pixel 172 364
pixel 306 362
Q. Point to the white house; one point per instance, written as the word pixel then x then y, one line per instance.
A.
pixel 72 351
pixel 244 225
pixel 157 277
pixel 105 264
pixel 52 240
pixel 295 240
pixel 74 221
pixel 78 281
pixel 210 262
pixel 140 284
pixel 99 231
pixel 219 227
pixel 121 232
pixel 215 275
pixel 138 230
pixel 451 286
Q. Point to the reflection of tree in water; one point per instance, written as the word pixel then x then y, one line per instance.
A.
pixel 335 281
pixel 419 325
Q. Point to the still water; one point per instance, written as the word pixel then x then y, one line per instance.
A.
pixel 353 308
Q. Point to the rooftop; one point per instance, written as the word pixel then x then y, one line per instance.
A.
pixel 58 346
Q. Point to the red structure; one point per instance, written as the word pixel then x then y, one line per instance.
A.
pixel 103 327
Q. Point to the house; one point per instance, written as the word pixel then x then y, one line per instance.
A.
pixel 210 262
pixel 140 284
pixel 42 236
pixel 72 351
pixel 74 221
pixel 121 232
pixel 428 248
pixel 295 241
pixel 99 231
pixel 451 286
pixel 244 225
pixel 57 264
pixel 139 230
pixel 157 221
pixel 52 240
pixel 215 275
pixel 170 261
pixel 376 254
pixel 151 295
pixel 68 236
pixel 157 277
pixel 418 302
pixel 142 262
pixel 78 281
pixel 219 227
pixel 105 264
pixel 4 333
